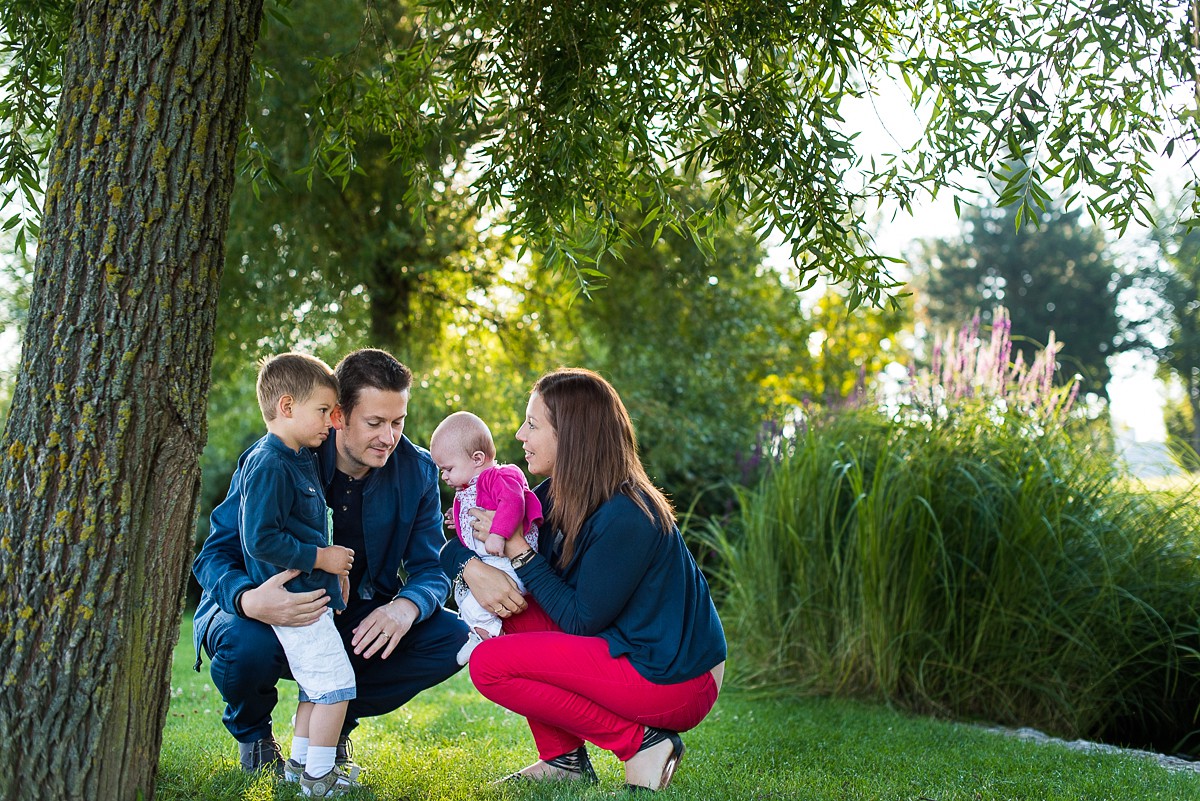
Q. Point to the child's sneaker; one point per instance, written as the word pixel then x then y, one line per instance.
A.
pixel 335 782
pixel 292 771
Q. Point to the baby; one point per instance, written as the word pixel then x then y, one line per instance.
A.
pixel 463 450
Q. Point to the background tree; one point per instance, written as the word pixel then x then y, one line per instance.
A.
pixel 705 350
pixel 581 109
pixel 1057 276
pixel 345 264
pixel 330 265
pixel 850 349
pixel 1181 429
pixel 1166 322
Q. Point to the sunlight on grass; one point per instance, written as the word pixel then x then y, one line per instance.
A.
pixel 450 742
pixel 1182 483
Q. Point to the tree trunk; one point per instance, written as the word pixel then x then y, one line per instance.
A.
pixel 100 475
pixel 391 304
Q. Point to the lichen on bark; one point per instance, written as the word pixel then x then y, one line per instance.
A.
pixel 99 476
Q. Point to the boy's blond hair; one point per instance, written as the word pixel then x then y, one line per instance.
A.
pixel 468 431
pixel 295 374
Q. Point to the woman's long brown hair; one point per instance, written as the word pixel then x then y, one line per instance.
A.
pixel 596 456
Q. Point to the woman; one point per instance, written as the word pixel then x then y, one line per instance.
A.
pixel 618 642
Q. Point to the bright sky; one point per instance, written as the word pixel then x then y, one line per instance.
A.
pixel 888 125
pixel 1137 397
pixel 10 348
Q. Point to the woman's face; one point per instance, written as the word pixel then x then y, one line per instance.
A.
pixel 539 438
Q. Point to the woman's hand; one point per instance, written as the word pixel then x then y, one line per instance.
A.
pixel 481 522
pixel 493 588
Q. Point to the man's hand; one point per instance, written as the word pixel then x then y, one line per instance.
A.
pixel 270 603
pixel 384 628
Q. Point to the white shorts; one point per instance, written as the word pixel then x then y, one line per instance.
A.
pixel 318 660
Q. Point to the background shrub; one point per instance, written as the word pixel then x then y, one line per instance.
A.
pixel 970 556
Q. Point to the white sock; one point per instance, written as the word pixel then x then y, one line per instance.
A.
pixel 300 749
pixel 320 760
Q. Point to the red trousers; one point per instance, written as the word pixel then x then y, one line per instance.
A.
pixel 571 690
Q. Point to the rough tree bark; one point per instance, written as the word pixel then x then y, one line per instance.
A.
pixel 99 474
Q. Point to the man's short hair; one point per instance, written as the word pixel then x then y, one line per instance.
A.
pixel 369 367
pixel 295 374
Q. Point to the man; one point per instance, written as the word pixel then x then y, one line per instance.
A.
pixel 383 493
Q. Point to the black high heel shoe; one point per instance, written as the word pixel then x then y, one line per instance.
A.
pixel 573 762
pixel 651 738
pixel 576 761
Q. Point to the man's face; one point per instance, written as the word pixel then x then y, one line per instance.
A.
pixel 368 435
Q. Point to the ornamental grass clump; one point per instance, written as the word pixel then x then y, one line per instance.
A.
pixel 969 373
pixel 971 553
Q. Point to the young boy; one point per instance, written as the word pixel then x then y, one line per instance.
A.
pixel 463 450
pixel 285 525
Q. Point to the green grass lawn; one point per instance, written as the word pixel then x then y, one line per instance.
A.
pixel 450 742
